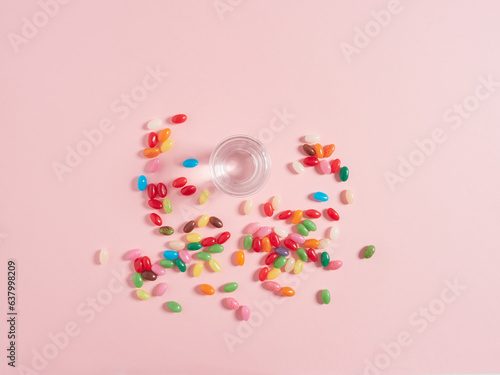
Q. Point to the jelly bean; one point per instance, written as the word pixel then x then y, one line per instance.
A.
pixel 152 139
pixel 299 266
pixel 369 251
pixel 240 258
pixel 252 228
pixel 146 263
pixel 247 242
pixel 292 245
pixel 164 134
pixel 297 216
pixel 325 259
pixel 231 303
pixel 282 251
pixel 177 245
pixel 268 209
pixel 310 225
pixel 296 237
pixel 290 264
pixel 203 221
pixel 154 165
pixel 334 233
pixel 328 150
pixel 248 207
pixel 133 254
pixel 348 196
pixel 334 265
pixel 103 256
pixel 274 239
pixel 318 149
pixel 148 275
pixel 174 307
pixel 194 237
pixel 161 190
pixel 245 313
pixel 215 249
pixel 285 215
pixel 320 196
pixel 170 254
pixel 154 124
pixel 188 190
pixel 273 286
pixel 209 241
pixel 264 231
pixel 179 182
pixel 142 294
pixel 280 231
pixel 301 228
pixel 198 269
pixel 264 271
pixel 335 165
pixel 257 244
pixel 190 163
pixel 312 242
pixel 167 263
pixel 271 257
pixel 324 243
pixel 151 152
pixel 155 203
pixel 142 182
pixel 167 231
pixel 156 219
pixel 207 289
pixel 325 296
pixel 158 269
pixel 223 237
pixel 205 194
pixel 204 256
pixel 151 191
pixel 160 289
pixel 189 226
pixel 309 150
pixel 313 214
pixel 215 221
pixel 298 167
pixel 215 265
pixel 325 167
pixel 230 287
pixel 311 161
pixel 344 173
pixel 185 256
pixel 279 262
pixel 167 145
pixel 311 254
pixel 333 214
pixel 266 244
pixel 312 138
pixel 179 119
pixel 138 280
pixel 302 254
pixel 180 264
pixel 167 206
pixel 274 273
pixel 193 246
pixel 287 291
pixel 276 202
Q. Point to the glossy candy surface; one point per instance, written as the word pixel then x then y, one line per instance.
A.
pixel 174 306
pixel 189 226
pixel 320 196
pixel 103 256
pixel 309 225
pixel 280 231
pixel 194 237
pixel 297 237
pixel 155 203
pixel 344 173
pixel 188 190
pixel 334 265
pixel 146 263
pixel 348 196
pixel 142 183
pixel 240 258
pixel 325 296
pixel 281 251
pixel 325 259
pixel 292 245
pixel 272 286
pixel 328 150
pixel 279 262
pixel 190 163
pixel 138 280
pixel 154 165
pixel 161 190
pixel 180 264
pixel 332 214
pixel 335 165
pixel 264 231
pixel 248 207
pixel 215 221
pixel 311 161
pixel 179 182
pixel 369 251
pixel 313 214
pixel 133 254
pixel 193 246
pixel 274 239
pixel 160 289
pixel 257 244
pixel 203 221
pixel 290 264
pixel 185 256
pixel 215 265
pixel 247 242
pixel 151 152
pixel 325 167
pixel 301 228
pixel 164 134
pixel 170 254
pixel 312 138
pixel 312 242
pixel 158 269
pixel 287 291
pixel 179 119
pixel 167 145
pixel 318 149
pixel 167 206
pixel 204 256
pixel 274 273
pixel 297 216
pixel 324 243
pixel 148 275
pixel 167 231
pixel 268 209
pixel 285 214
pixel 156 219
pixel 152 139
pixel 333 233
pixel 266 244
pixel 208 241
pixel 264 271
pixel 311 254
pixel 167 263
pixel 207 289
pixel 142 294
pixel 252 228
pixel 205 194
pixel 198 269
pixel 245 312
pixel 298 167
pixel 151 191
pixel 231 303
pixel 230 287
pixel 276 202
pixel 154 124
pixel 223 237
pixel 299 266
pixel 215 249
pixel 309 150
pixel 270 258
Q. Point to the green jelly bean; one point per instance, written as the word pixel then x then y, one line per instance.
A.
pixel 194 246
pixel 247 242
pixel 280 262
pixel 302 254
pixel 214 249
pixel 325 296
pixel 138 280
pixel 369 251
pixel 167 263
pixel 301 228
pixel 204 256
pixel 230 287
pixel 167 206
pixel 167 231
pixel 309 224
pixel 179 263
pixel 325 259
pixel 344 173
pixel 174 306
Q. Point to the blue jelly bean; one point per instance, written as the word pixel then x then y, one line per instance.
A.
pixel 282 251
pixel 320 196
pixel 142 183
pixel 170 254
pixel 190 163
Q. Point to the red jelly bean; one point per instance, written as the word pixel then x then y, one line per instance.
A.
pixel 313 214
pixel 335 164
pixel 188 190
pixel 151 191
pixel 139 267
pixel 161 189
pixel 209 241
pixel 223 237
pixel 292 245
pixel 271 258
pixel 285 215
pixel 156 219
pixel 179 182
pixel 179 119
pixel 152 139
pixel 263 273
pixel 311 161
pixel 334 215
pixel 257 245
pixel 275 240
pixel 268 209
pixel 313 257
pixel 155 203
pixel 146 263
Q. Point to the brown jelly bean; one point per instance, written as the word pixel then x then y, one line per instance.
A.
pixel 148 275
pixel 215 221
pixel 189 226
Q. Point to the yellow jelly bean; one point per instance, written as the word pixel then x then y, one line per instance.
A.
pixel 299 266
pixel 203 221
pixel 167 145
pixel 215 265
pixel 266 244
pixel 142 294
pixel 204 196
pixel 240 258
pixel 274 273
pixel 197 269
pixel 194 237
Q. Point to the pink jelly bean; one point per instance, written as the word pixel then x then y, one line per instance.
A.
pixel 252 228
pixel 154 165
pixel 264 231
pixel 159 270
pixel 185 256
pixel 232 304
pixel 325 167
pixel 245 312
pixel 334 265
pixel 272 286
pixel 160 289
pixel 133 254
pixel 297 238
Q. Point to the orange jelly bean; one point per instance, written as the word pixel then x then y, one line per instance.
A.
pixel 319 150
pixel 151 152
pixel 207 289
pixel 164 135
pixel 266 244
pixel 287 291
pixel 311 243
pixel 297 216
pixel 328 150
pixel 240 258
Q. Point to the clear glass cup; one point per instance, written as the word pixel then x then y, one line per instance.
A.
pixel 240 166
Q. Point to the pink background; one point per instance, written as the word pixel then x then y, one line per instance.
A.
pixel 230 73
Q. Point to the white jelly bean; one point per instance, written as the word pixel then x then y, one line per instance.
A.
pixel 324 243
pixel 154 124
pixel 290 264
pixel 298 167
pixel 334 233
pixel 247 208
pixel 312 138
pixel 177 245
pixel 280 231
pixel 103 256
pixel 276 202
